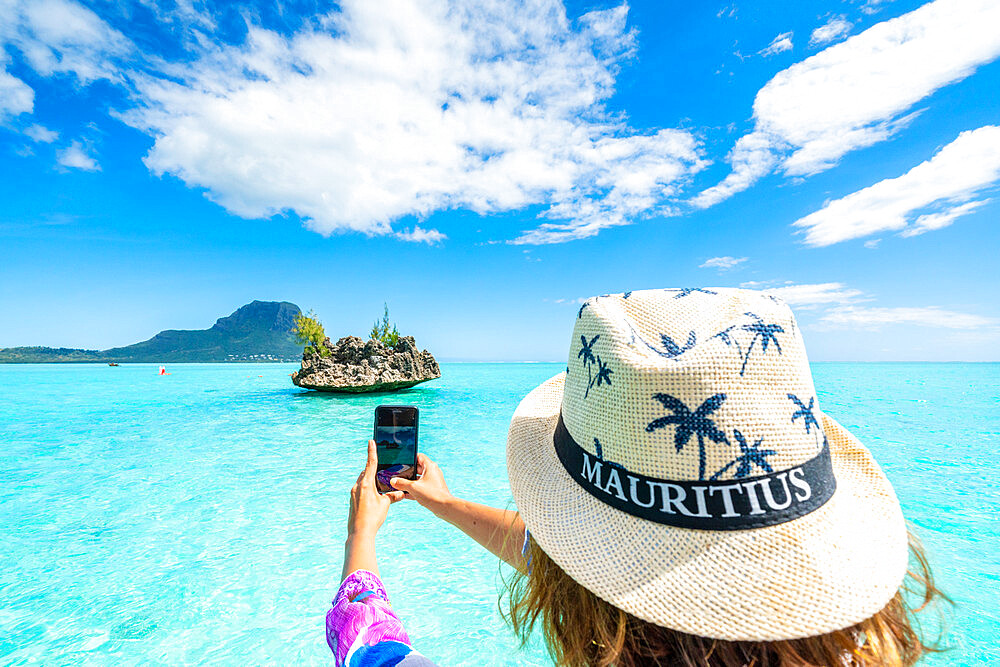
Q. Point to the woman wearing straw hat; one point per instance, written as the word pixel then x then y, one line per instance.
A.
pixel 681 500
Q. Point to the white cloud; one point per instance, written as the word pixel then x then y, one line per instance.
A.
pixel 929 316
pixel 41 134
pixel 417 107
pixel 838 307
pixel 860 91
pixel 16 97
pixel 58 36
pixel 830 31
pixel 751 158
pixel 75 157
pixel 420 235
pixel 779 44
pixel 873 6
pixel 941 219
pixel 722 263
pixel 812 295
pixel 62 37
pixel 947 182
pixel 54 37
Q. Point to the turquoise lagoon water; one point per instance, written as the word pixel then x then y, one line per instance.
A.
pixel 199 517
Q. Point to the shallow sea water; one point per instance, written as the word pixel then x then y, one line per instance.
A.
pixel 199 517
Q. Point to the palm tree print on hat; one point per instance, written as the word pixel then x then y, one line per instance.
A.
pixel 587 350
pixel 583 305
pixel 603 373
pixel 804 411
pixel 690 423
pixel 729 339
pixel 586 353
pixel 749 457
pixel 600 455
pixel 670 348
pixel 767 334
pixel 684 291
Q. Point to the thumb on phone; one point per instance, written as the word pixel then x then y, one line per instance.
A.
pixel 401 483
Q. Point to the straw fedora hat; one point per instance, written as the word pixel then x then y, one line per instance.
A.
pixel 681 469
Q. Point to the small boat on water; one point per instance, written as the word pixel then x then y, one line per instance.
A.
pixel 111 363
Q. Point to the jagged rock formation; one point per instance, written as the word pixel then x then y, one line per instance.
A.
pixel 357 366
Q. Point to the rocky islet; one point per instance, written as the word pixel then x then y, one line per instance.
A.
pixel 356 366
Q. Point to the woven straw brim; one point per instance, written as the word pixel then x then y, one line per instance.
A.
pixel 822 572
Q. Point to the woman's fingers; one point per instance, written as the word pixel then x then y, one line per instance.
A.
pixel 395 496
pixel 372 464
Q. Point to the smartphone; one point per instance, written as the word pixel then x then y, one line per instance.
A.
pixel 396 443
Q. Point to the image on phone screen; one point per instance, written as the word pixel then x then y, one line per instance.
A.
pixel 396 443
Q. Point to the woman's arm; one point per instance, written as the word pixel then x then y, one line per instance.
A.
pixel 361 627
pixel 368 512
pixel 499 531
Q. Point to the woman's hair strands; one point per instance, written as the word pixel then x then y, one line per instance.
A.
pixel 582 630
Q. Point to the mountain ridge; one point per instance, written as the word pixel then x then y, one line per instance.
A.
pixel 257 331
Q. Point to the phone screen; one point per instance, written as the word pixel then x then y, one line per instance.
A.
pixel 396 443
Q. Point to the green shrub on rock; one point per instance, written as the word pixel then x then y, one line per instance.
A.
pixel 381 331
pixel 309 331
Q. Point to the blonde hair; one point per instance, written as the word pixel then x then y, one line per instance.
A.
pixel 582 630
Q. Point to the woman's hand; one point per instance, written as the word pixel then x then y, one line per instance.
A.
pixel 500 531
pixel 429 488
pixel 369 507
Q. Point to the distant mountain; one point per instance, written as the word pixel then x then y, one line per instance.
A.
pixel 259 331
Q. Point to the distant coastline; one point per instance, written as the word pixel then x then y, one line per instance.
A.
pixel 259 332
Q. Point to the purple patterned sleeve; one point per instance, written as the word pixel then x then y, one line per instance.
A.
pixel 361 616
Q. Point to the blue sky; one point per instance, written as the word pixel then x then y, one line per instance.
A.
pixel 484 166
